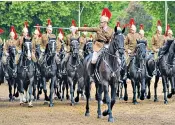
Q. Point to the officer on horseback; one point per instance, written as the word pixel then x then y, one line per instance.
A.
pixel 69 37
pixel 60 40
pixel 36 41
pixel 158 39
pixel 9 42
pixel 103 35
pixel 169 39
pixel 45 38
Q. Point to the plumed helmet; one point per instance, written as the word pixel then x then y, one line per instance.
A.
pixel 105 15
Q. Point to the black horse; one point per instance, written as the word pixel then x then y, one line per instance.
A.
pixel 49 69
pixel 166 65
pixel 12 72
pixel 107 74
pixel 25 73
pixel 137 70
pixel 151 69
pixel 1 65
pixel 88 48
pixel 74 68
pixel 37 82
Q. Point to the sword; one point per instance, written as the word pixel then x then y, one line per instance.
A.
pixel 53 27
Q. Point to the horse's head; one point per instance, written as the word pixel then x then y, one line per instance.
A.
pixel 75 47
pixel 118 40
pixel 27 48
pixel 141 49
pixel 172 46
pixel 51 46
pixel 89 46
pixel 12 51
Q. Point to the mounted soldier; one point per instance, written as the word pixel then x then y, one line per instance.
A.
pixel 131 37
pixel 168 40
pixel 10 42
pixel 45 38
pixel 25 34
pixel 60 40
pixel 36 41
pixel 158 39
pixel 103 35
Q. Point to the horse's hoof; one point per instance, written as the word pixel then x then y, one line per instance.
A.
pixel 72 104
pixel 10 100
pixel 155 100
pixel 30 106
pixel 87 114
pixel 120 98
pixel 169 95
pixel 47 99
pixel 142 98
pixel 21 103
pixel 67 97
pixel 46 103
pixel 105 113
pixel 51 105
pixel 99 116
pixel 126 98
pixel 76 99
pixel 166 102
pixel 149 96
pixel 135 102
pixel 111 120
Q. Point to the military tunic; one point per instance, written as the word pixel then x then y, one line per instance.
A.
pixel 102 37
pixel 157 42
pixel 130 41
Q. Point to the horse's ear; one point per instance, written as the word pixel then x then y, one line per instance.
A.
pixel 123 31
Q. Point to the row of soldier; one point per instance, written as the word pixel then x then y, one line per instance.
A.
pixel 102 38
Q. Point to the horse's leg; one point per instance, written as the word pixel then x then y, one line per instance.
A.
pixel 87 94
pixel 39 89
pixel 121 90
pixel 10 90
pixel 164 89
pixel 149 92
pixel 142 97
pixel 34 89
pixel 134 91
pixel 168 86
pixel 108 101
pixel 126 94
pixel 52 90
pixel 45 89
pixel 138 89
pixel 67 91
pixel 155 87
pixel 30 91
pixel 21 91
pixel 99 94
pixel 172 87
pixel 71 90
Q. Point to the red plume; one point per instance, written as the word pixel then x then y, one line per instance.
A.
pixel 118 24
pixel 132 22
pixel 61 31
pixel 106 12
pixel 48 22
pixel 168 28
pixel 1 31
pixel 141 27
pixel 73 23
pixel 12 29
pixel 159 23
pixel 91 36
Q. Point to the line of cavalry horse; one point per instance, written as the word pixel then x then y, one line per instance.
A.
pixel 27 76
